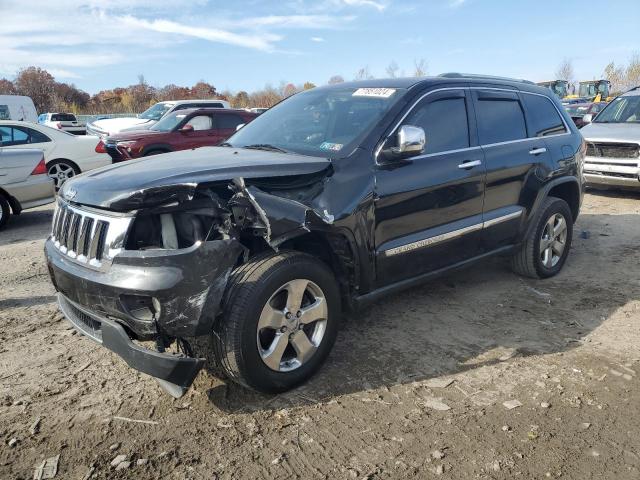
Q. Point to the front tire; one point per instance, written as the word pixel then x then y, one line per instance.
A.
pixel 545 250
pixel 279 321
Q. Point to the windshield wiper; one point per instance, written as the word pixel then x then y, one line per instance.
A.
pixel 225 144
pixel 266 146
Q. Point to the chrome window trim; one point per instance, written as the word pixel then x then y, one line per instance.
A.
pixel 444 152
pixel 443 237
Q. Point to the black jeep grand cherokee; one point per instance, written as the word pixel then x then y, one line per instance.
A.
pixel 329 200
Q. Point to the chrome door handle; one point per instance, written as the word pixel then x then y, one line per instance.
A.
pixel 537 151
pixel 470 164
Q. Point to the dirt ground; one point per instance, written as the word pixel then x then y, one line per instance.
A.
pixel 415 387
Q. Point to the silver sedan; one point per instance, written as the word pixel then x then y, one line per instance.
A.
pixel 24 182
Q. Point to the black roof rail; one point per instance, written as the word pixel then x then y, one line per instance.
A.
pixel 488 77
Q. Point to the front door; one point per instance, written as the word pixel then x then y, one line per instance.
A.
pixel 428 208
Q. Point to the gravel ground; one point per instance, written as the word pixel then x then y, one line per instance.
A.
pixel 418 385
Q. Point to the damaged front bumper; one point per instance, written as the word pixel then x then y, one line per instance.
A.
pixel 174 372
pixel 146 295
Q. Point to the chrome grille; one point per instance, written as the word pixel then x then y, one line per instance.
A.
pixel 87 236
pixel 613 150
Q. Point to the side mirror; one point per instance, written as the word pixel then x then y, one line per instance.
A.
pixel 411 141
pixel 240 126
pixel 186 128
pixel 588 118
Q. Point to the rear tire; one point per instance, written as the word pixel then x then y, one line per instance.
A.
pixel 545 250
pixel 61 171
pixel 279 321
pixel 5 211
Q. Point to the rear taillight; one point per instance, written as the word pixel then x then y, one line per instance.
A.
pixel 101 147
pixel 41 168
pixel 59 126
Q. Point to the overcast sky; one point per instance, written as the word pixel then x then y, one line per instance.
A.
pixel 243 45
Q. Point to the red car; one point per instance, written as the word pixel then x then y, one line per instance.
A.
pixel 181 130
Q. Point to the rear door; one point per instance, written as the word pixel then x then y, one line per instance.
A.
pixel 513 160
pixel 226 125
pixel 428 208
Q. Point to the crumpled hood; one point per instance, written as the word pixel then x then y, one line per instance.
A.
pixel 115 125
pixel 611 132
pixel 175 176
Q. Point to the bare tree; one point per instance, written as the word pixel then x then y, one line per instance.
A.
pixel 420 68
pixel 336 79
pixel 633 71
pixel 615 75
pixel 565 71
pixel 363 73
pixel 392 69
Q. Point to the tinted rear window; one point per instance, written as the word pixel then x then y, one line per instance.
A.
pixel 543 116
pixel 500 120
pixel 63 117
pixel 229 121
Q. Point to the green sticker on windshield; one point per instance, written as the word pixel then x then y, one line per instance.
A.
pixel 336 147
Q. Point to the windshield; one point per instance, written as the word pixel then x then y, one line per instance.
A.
pixel 63 117
pixel 621 110
pixel 577 109
pixel 319 122
pixel 560 89
pixel 587 90
pixel 169 122
pixel 156 112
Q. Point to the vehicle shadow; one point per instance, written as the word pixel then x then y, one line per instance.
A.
pixel 26 302
pixel 466 320
pixel 28 226
pixel 614 193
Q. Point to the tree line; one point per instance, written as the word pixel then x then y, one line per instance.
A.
pixel 50 95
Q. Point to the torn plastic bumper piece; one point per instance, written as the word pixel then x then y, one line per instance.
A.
pixel 175 373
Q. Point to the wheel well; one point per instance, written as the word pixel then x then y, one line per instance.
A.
pixel 13 203
pixel 335 251
pixel 70 162
pixel 570 193
pixel 156 149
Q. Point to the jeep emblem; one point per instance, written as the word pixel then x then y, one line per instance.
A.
pixel 70 194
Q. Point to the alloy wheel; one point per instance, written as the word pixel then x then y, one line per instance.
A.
pixel 292 325
pixel 553 240
pixel 60 173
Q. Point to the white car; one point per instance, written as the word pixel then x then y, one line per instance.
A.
pixel 66 122
pixel 66 155
pixel 149 117
pixel 23 181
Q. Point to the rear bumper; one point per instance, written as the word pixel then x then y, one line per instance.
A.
pixel 35 191
pixel 177 371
